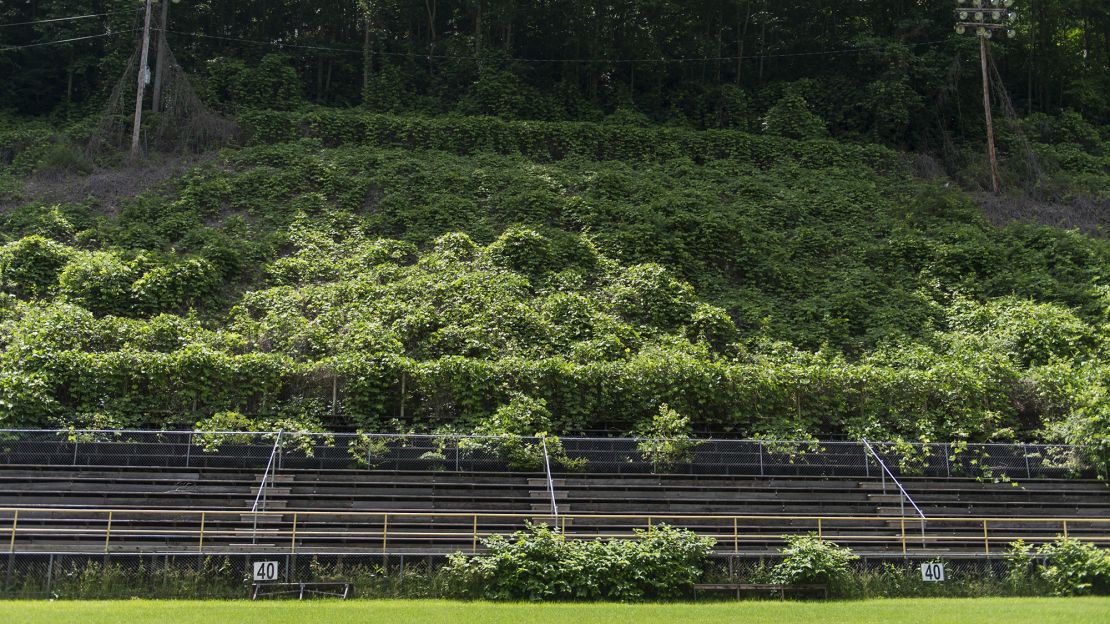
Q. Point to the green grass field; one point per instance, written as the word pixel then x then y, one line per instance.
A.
pixel 938 611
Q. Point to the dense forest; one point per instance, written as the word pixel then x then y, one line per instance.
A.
pixel 730 218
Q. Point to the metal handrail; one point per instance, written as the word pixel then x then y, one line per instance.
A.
pixel 893 478
pixel 265 475
pixel 282 535
pixel 262 489
pixel 550 481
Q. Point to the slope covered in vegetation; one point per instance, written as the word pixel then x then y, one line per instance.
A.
pixel 366 271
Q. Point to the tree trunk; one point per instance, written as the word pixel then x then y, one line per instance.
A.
pixel 367 58
pixel 743 32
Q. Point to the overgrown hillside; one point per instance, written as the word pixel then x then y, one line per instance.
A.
pixel 363 271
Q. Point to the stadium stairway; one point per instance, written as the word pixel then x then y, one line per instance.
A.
pixel 65 509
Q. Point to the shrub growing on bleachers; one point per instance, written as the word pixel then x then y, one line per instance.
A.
pixel 540 564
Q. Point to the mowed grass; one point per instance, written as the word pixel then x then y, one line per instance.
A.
pixel 925 611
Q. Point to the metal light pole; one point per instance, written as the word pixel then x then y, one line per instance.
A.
pixel 984 18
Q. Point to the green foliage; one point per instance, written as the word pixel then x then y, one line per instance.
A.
pixel 665 439
pixel 808 560
pixel 100 282
pixel 1072 567
pixel 791 118
pixel 755 284
pixel 540 564
pixel 517 432
pixel 272 82
pixel 29 267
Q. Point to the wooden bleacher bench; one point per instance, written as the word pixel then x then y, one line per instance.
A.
pixel 743 587
pixel 336 589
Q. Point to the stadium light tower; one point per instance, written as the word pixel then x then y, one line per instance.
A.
pixel 984 18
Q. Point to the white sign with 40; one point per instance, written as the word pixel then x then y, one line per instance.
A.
pixel 932 572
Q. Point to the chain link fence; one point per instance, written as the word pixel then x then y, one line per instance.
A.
pixel 230 576
pixel 312 451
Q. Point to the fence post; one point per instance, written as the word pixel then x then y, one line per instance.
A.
pixel 1065 529
pixel 761 458
pixel 1025 452
pixel 735 537
pixel 903 520
pixel 474 546
pixel 200 545
pixel 986 540
pixel 385 533
pixel 76 443
pixel 820 532
pixel 49 575
pixel 189 450
pixel 866 461
pixel 947 466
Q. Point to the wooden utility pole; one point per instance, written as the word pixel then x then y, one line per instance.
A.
pixel 984 18
pixel 141 90
pixel 996 182
pixel 160 60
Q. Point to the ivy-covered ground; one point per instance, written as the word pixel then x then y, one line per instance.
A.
pixel 930 611
pixel 349 270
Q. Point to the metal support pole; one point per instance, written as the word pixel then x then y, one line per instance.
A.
pixel 385 533
pixel 108 533
pixel 903 520
pixel 1025 452
pixel 200 545
pixel 189 450
pixel 49 575
pixel 293 538
pixel 986 540
pixel 735 537
pixel 474 546
pixel 761 458
pixel 15 524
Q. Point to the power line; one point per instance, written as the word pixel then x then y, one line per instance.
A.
pixel 280 45
pixel 66 19
pixel 47 43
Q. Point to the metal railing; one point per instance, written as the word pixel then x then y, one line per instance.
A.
pixel 905 496
pixel 766 458
pixel 550 481
pixel 216 532
pixel 261 495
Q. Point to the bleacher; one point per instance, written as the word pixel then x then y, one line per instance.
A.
pixel 346 510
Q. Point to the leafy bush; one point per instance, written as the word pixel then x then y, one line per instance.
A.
pixel 517 433
pixel 665 439
pixel 809 560
pixel 540 564
pixel 63 157
pixel 29 267
pixel 791 118
pixel 1072 567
